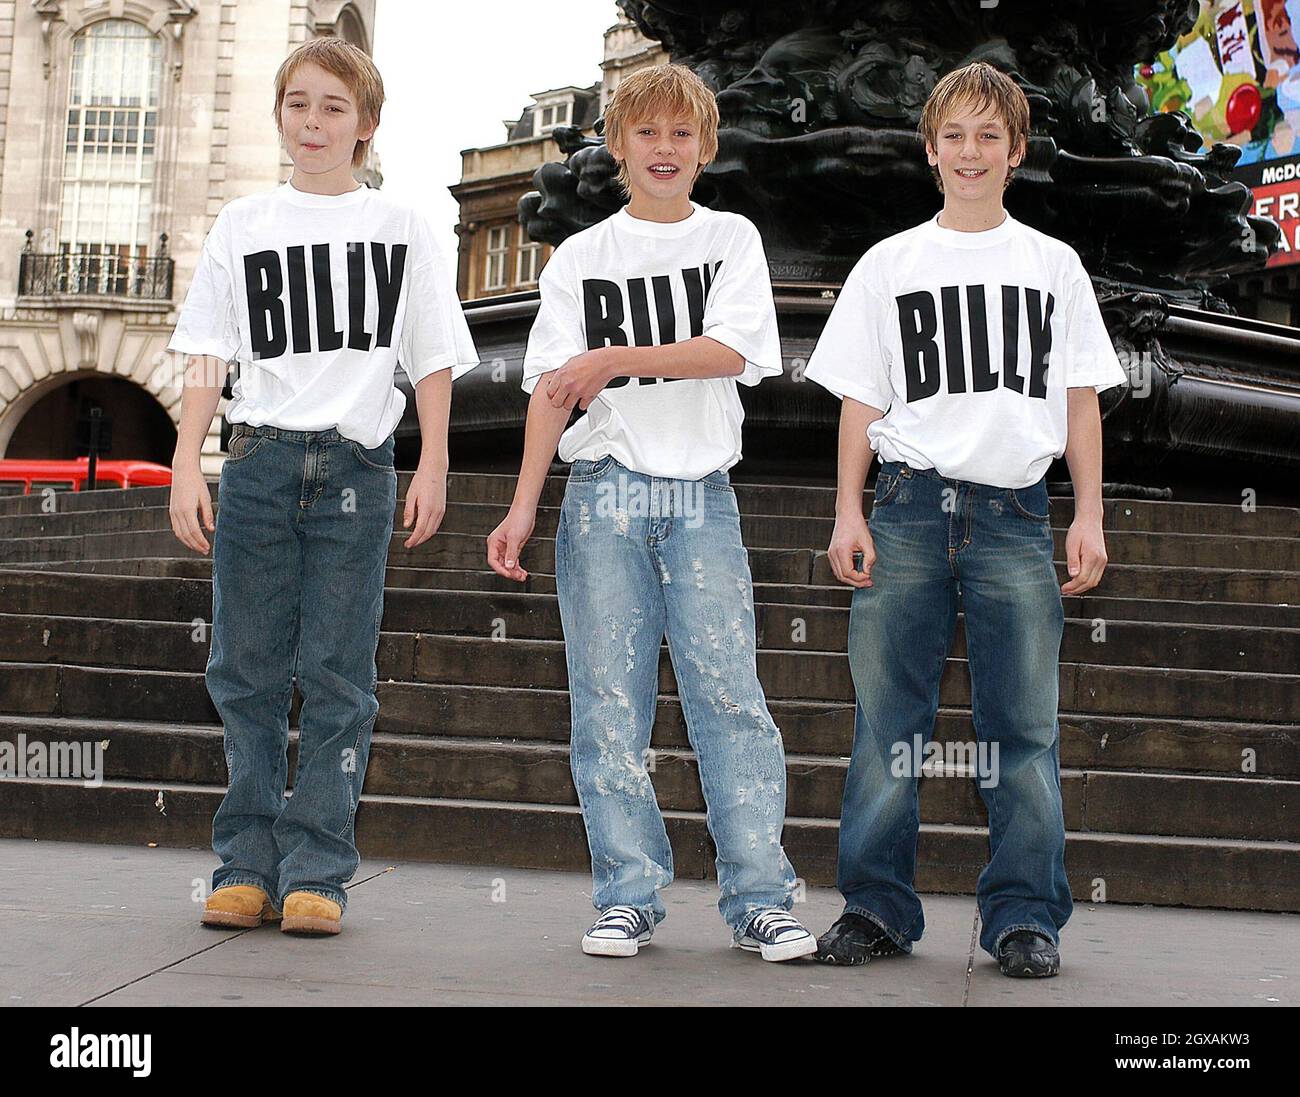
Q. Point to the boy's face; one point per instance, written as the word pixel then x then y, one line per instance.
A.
pixel 319 120
pixel 973 155
pixel 663 156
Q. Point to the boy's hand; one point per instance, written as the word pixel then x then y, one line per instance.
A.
pixel 505 542
pixel 426 503
pixel 580 380
pixel 190 499
pixel 1085 555
pixel 850 537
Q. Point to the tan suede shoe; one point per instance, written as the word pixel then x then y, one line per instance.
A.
pixel 239 906
pixel 307 912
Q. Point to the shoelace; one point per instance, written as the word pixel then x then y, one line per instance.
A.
pixel 771 923
pixel 627 919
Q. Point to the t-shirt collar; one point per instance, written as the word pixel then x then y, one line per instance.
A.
pixel 662 229
pixel 292 194
pixel 954 238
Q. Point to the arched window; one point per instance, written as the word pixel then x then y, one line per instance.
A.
pixel 108 164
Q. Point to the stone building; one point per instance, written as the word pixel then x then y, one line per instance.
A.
pixel 125 126
pixel 495 254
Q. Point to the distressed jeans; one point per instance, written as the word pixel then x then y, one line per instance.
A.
pixel 636 557
pixel 298 563
pixel 936 538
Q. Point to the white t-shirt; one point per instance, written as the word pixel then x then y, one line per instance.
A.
pixel 319 297
pixel 967 341
pixel 629 281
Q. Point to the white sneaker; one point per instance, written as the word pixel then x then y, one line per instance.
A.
pixel 777 934
pixel 619 931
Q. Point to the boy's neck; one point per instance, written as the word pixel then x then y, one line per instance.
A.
pixel 965 217
pixel 326 183
pixel 647 208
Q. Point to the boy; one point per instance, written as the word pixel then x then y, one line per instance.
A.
pixel 966 410
pixel 647 321
pixel 309 488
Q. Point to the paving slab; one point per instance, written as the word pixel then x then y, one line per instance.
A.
pixel 118 925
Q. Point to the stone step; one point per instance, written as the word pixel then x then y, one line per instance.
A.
pixel 759 497
pixel 1200 872
pixel 454 551
pixel 523 771
pixel 525 616
pixel 758 530
pixel 1088 740
pixel 70 578
pixel 786 675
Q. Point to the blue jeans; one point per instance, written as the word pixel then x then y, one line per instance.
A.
pixel 637 556
pixel 935 538
pixel 297 590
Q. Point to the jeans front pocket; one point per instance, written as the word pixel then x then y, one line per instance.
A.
pixel 243 446
pixel 1031 502
pixel 380 458
pixel 584 470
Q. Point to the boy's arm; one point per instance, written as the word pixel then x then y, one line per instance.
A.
pixel 542 430
pixel 851 534
pixel 426 496
pixel 190 497
pixel 1085 545
pixel 581 379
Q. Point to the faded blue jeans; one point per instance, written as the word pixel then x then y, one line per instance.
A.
pixel 936 538
pixel 298 563
pixel 637 556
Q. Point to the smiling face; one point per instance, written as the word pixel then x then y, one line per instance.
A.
pixel 320 123
pixel 662 155
pixel 973 155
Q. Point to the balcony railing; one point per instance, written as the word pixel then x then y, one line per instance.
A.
pixel 96 274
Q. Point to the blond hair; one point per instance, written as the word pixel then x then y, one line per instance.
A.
pixel 981 87
pixel 662 89
pixel 351 65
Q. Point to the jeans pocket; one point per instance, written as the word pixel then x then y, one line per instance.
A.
pixel 584 470
pixel 381 457
pixel 243 446
pixel 718 480
pixel 886 488
pixel 1027 502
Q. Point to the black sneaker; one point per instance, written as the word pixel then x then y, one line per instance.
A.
pixel 619 931
pixel 1025 954
pixel 777 934
pixel 854 940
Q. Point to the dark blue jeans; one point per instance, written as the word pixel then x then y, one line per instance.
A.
pixel 297 590
pixel 936 538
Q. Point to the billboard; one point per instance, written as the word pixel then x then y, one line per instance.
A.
pixel 1236 75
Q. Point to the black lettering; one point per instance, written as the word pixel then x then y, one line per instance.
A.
pixel 1040 341
pixel 263 283
pixel 639 307
pixel 388 285
pixel 983 379
pixel 954 357
pixel 298 313
pixel 1011 338
pixel 358 337
pixel 327 338
pixel 918 324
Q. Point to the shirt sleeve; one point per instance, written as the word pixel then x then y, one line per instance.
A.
pixel 208 322
pixel 1090 358
pixel 557 333
pixel 851 357
pixel 435 334
pixel 740 313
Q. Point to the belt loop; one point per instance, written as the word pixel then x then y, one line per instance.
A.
pixel 271 432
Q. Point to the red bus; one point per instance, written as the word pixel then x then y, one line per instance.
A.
pixel 21 476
